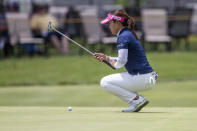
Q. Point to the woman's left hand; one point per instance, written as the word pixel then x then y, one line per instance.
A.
pixel 101 57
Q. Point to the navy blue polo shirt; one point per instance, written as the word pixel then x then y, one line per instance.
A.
pixel 137 62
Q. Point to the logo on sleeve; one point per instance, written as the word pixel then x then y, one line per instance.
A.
pixel 121 45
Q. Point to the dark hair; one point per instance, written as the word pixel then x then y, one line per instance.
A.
pixel 128 22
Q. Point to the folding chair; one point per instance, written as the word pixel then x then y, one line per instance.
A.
pixel 90 20
pixel 193 26
pixel 154 23
pixel 59 13
pixel 180 26
pixel 20 32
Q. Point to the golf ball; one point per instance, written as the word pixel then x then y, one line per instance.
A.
pixel 69 108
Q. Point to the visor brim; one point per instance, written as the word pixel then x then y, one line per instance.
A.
pixel 105 21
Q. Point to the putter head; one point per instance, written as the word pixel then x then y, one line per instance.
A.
pixel 49 26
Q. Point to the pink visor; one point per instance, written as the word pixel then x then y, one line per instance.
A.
pixel 112 17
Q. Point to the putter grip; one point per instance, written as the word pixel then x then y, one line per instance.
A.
pixel 106 62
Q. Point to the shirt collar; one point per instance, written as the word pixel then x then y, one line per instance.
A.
pixel 120 31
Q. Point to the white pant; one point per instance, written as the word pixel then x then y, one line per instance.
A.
pixel 126 86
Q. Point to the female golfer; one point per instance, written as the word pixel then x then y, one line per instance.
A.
pixel 139 76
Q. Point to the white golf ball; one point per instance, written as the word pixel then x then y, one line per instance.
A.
pixel 69 108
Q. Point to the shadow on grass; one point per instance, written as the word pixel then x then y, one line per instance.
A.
pixel 145 112
pixel 150 112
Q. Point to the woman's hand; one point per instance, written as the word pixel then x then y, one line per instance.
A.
pixel 100 57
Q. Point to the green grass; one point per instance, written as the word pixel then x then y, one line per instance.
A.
pixel 59 70
pixel 165 94
pixel 58 82
pixel 96 119
pixel 172 107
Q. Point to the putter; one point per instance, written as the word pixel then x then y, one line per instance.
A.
pixel 51 28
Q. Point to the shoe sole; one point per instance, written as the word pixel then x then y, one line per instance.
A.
pixel 141 106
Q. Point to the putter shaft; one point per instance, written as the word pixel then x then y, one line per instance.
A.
pixel 50 27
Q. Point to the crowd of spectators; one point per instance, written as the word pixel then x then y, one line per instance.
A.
pixel 38 19
pixel 72 26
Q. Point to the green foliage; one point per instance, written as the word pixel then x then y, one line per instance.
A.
pixel 124 3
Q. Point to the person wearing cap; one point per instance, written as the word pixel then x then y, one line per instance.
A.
pixel 140 76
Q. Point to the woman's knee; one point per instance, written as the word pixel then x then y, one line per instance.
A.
pixel 104 82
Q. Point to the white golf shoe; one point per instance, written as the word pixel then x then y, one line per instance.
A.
pixel 136 105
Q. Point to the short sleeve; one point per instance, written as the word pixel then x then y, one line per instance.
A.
pixel 122 43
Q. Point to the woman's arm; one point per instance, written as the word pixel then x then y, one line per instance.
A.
pixel 112 58
pixel 121 60
pixel 117 62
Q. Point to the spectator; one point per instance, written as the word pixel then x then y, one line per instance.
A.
pixel 39 24
pixel 73 23
pixel 135 11
pixel 4 37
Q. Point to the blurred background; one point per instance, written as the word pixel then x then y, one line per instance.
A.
pixel 162 25
pixel 47 67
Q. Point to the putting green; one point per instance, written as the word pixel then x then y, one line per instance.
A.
pixel 21 118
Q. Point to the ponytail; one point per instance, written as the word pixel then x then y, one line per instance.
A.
pixel 131 25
